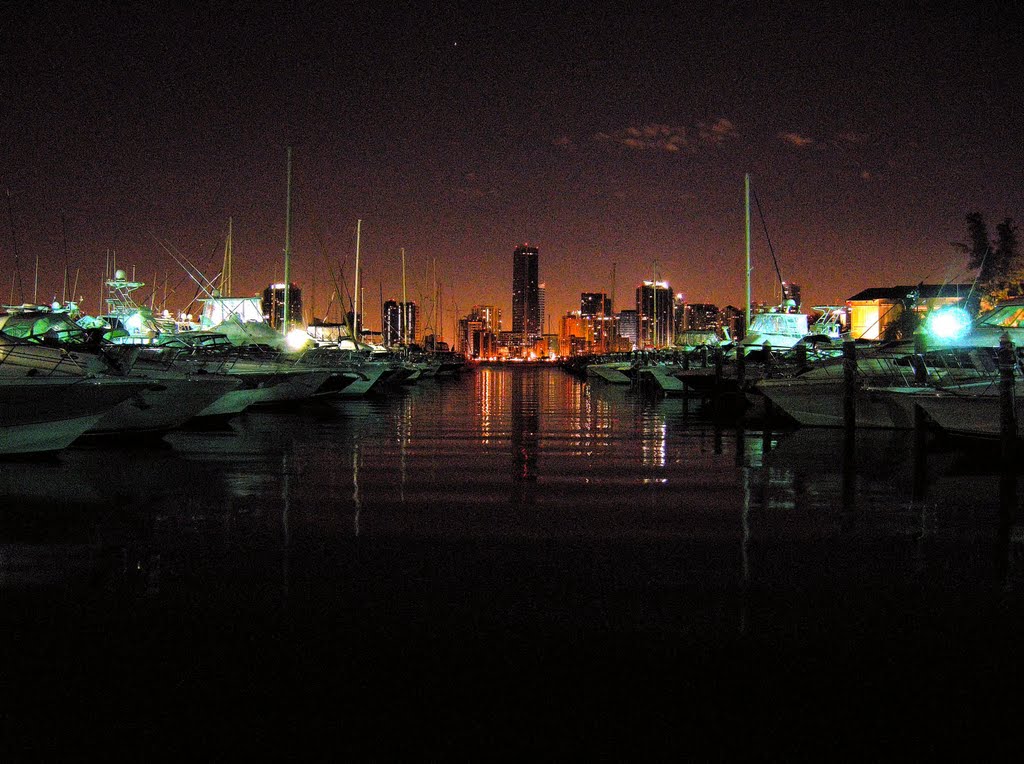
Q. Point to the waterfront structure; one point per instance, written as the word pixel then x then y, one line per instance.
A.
pixel 274 304
pixel 526 311
pixel 876 311
pixel 654 314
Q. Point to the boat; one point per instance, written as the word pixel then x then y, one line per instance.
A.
pixel 40 414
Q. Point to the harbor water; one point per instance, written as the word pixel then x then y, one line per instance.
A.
pixel 513 560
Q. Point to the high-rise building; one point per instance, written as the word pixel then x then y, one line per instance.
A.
pixel 576 335
pixel 526 315
pixel 542 305
pixel 628 326
pixel 591 304
pixel 791 292
pixel 654 314
pixel 410 314
pixel 490 315
pixel 698 315
pixel 392 327
pixel 273 305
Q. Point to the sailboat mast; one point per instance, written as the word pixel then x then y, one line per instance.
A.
pixel 405 305
pixel 287 241
pixel 64 234
pixel 746 194
pixel 356 329
pixel 229 251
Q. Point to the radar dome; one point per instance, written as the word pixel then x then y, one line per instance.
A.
pixel 119 275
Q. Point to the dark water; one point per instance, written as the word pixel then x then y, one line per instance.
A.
pixel 509 562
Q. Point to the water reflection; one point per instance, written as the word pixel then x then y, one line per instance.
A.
pixel 446 460
pixel 525 424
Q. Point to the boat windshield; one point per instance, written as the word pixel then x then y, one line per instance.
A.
pixel 1007 317
pixel 55 327
pixel 785 324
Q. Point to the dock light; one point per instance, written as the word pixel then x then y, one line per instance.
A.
pixel 948 323
pixel 297 339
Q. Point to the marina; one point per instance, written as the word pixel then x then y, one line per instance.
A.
pixel 461 556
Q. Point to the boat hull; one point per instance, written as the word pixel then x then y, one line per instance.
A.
pixel 38 415
pixel 820 403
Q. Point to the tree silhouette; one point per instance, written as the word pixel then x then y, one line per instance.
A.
pixel 999 266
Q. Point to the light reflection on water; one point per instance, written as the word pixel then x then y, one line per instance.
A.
pixel 502 453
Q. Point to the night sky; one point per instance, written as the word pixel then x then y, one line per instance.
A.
pixel 616 134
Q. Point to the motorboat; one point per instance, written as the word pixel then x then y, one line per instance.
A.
pixel 39 414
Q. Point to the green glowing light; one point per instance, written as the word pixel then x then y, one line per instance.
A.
pixel 948 323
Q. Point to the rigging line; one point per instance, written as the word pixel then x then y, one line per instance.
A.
pixel 981 267
pixel 203 288
pixel 764 224
pixel 14 244
pixel 334 278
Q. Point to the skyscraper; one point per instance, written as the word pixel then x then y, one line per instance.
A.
pixel 273 305
pixel 591 304
pixel 392 323
pixel 526 318
pixel 654 314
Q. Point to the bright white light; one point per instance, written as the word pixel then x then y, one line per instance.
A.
pixel 948 323
pixel 297 338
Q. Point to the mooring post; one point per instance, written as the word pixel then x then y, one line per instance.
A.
pixel 920 369
pixel 1007 424
pixel 704 356
pixel 920 478
pixel 849 386
pixel 741 366
pixel 801 356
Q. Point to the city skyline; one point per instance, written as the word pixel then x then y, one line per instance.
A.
pixel 615 137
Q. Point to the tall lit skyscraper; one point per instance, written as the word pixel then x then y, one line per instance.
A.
pixel 654 314
pixel 392 323
pixel 542 306
pixel 526 316
pixel 273 305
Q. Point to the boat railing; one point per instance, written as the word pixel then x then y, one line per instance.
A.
pixel 38 359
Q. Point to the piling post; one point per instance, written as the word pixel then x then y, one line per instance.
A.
pixel 1007 427
pixel 920 369
pixel 920 479
pixel 801 356
pixel 741 366
pixel 849 386
pixel 704 356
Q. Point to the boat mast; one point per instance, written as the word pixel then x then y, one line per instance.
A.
pixel 287 241
pixel 746 194
pixel 356 329
pixel 405 302
pixel 64 288
pixel 229 251
pixel 615 330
